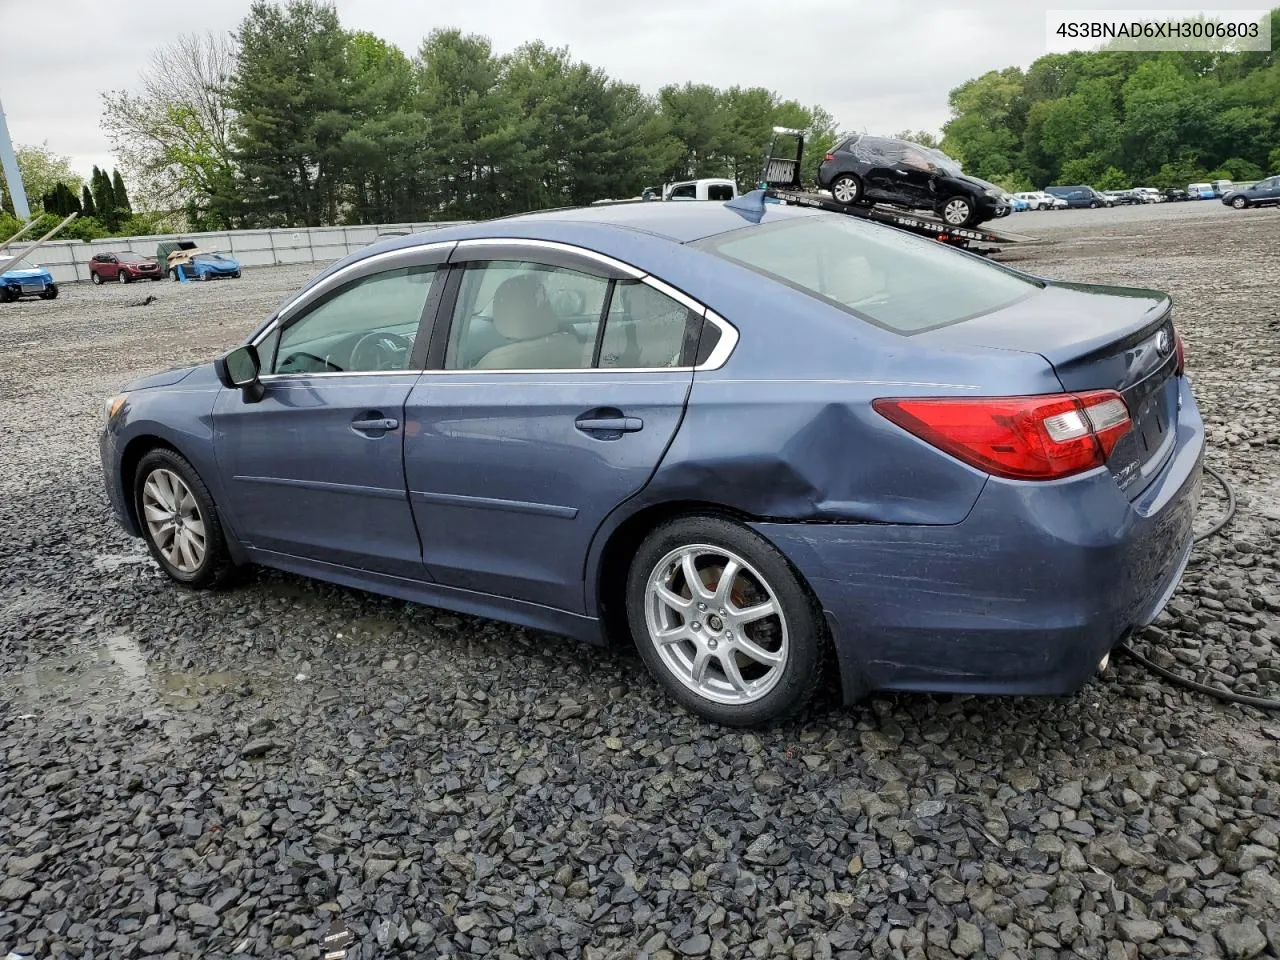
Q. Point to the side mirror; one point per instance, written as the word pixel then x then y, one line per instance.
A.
pixel 240 370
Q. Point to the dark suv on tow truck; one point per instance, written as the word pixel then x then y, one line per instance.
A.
pixel 865 169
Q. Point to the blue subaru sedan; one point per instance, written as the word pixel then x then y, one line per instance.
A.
pixel 739 440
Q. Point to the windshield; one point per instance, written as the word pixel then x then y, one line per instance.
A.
pixel 873 272
pixel 947 165
pixel 18 264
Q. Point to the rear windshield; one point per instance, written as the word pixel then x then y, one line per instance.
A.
pixel 897 281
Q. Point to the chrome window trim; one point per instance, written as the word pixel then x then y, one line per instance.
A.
pixel 569 248
pixel 719 356
pixel 722 350
pixel 337 279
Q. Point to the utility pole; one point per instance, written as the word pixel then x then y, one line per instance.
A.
pixel 9 165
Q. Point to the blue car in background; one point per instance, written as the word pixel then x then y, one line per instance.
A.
pixel 1018 203
pixel 25 279
pixel 212 266
pixel 737 436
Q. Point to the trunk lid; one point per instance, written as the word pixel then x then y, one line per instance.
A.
pixel 1097 338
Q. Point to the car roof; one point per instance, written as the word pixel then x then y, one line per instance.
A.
pixel 645 233
pixel 680 222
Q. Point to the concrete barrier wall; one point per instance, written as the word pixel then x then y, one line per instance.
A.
pixel 68 260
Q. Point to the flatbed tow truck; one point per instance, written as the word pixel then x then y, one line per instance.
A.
pixel 780 183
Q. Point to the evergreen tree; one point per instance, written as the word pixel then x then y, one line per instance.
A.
pixel 123 206
pixel 86 202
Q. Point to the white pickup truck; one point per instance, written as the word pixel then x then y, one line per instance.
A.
pixel 709 188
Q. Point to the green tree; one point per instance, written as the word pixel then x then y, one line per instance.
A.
pixel 173 133
pixel 124 208
pixel 86 202
pixel 104 198
pixel 291 113
pixel 41 170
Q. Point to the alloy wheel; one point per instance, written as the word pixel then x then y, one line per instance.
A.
pixel 845 189
pixel 956 212
pixel 173 520
pixel 717 624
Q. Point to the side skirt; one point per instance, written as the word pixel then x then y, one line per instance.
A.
pixel 532 615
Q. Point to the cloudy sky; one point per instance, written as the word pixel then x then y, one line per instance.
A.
pixel 884 66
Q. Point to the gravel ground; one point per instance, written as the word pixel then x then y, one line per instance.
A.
pixel 208 774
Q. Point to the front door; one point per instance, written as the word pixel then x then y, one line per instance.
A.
pixel 315 469
pixel 561 383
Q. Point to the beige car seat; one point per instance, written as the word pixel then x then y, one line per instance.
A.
pixel 522 313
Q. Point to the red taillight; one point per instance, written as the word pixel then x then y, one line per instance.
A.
pixel 1182 353
pixel 1021 438
pixel 829 156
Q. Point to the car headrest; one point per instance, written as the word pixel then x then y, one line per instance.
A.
pixel 522 309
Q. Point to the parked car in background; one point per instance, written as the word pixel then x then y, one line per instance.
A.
pixel 1176 194
pixel 22 278
pixel 1122 198
pixel 197 264
pixel 123 268
pixel 1149 194
pixel 1039 200
pixel 1221 187
pixel 1081 196
pixel 1200 191
pixel 1018 203
pixel 710 188
pixel 955 476
pixel 864 169
pixel 1261 194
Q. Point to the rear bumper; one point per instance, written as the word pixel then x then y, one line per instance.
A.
pixel 1025 596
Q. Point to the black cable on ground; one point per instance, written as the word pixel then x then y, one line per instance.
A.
pixel 1227 696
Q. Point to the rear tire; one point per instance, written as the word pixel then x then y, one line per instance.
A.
pixel 179 520
pixel 729 669
pixel 846 189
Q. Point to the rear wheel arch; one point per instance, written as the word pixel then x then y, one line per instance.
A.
pixel 620 547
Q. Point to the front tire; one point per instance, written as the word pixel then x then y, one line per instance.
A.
pixel 96 278
pixel 50 292
pixel 1239 203
pixel 846 189
pixel 956 211
pixel 122 277
pixel 723 622
pixel 179 520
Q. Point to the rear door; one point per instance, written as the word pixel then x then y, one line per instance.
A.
pixel 551 395
pixel 315 469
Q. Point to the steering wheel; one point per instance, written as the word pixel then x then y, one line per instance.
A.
pixel 282 367
pixel 380 350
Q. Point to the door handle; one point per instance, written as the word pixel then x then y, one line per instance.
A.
pixel 387 423
pixel 611 424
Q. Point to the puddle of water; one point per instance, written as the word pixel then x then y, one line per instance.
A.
pixel 110 675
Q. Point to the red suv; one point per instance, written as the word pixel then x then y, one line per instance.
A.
pixel 123 267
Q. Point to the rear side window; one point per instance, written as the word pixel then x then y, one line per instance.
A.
pixel 896 281
pixel 719 191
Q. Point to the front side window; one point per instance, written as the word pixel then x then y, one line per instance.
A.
pixel 688 191
pixel 369 325
pixel 899 282
pixel 519 315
